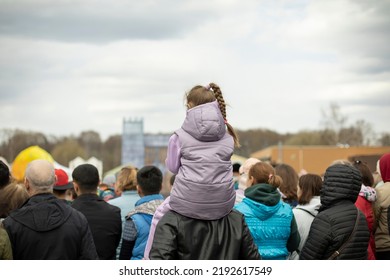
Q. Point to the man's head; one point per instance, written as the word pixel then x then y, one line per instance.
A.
pixel 62 184
pixel 39 177
pixel 149 180
pixel 85 178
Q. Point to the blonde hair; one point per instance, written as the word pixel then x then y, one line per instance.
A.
pixel 199 95
pixel 127 179
pixel 263 172
pixel 12 197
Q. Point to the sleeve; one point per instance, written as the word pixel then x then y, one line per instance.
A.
pixel 128 240
pixel 173 154
pixel 5 245
pixel 165 246
pixel 249 250
pixel 294 239
pixel 318 240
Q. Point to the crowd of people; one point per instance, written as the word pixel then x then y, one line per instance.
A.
pixel 215 210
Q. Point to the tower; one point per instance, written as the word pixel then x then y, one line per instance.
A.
pixel 133 143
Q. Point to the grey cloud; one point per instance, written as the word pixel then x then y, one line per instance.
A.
pixel 369 35
pixel 119 20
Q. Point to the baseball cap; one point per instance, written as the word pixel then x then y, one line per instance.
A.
pixel 62 182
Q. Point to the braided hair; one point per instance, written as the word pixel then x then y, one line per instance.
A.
pixel 200 95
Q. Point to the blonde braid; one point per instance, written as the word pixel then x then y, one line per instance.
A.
pixel 222 106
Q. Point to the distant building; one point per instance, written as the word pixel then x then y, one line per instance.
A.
pixel 133 142
pixel 140 149
pixel 315 159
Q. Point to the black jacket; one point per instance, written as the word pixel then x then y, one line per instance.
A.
pixel 105 222
pixel 47 228
pixel 336 218
pixel 180 238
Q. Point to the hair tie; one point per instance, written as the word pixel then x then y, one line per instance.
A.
pixel 207 87
pixel 226 121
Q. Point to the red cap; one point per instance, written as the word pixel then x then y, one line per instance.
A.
pixel 62 182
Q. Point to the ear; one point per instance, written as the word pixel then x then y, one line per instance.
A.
pixel 139 190
pixel 76 188
pixel 250 182
pixel 27 185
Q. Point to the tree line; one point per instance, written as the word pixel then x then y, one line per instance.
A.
pixel 334 131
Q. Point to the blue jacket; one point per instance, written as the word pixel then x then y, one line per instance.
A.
pixel 270 225
pixel 142 217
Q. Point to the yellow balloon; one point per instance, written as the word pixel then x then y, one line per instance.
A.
pixel 25 157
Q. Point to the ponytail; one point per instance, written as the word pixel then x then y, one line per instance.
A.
pixel 222 106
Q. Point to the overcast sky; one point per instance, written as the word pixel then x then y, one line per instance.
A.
pixel 70 66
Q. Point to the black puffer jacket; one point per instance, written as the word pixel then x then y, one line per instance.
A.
pixel 47 228
pixel 180 238
pixel 336 218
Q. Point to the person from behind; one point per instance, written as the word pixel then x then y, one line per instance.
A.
pixel 62 187
pixel 126 190
pixel 365 202
pixel 160 211
pixel 270 220
pixel 5 175
pixel 103 219
pixel 45 227
pixel 288 188
pixel 127 195
pixel 199 153
pixel 236 174
pixel 381 205
pixel 339 231
pixel 138 221
pixel 178 237
pixel 309 186
pixel 5 244
pixel 106 189
pixel 11 197
pixel 244 170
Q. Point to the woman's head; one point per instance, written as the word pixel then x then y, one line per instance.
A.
pixel 263 173
pixel 309 185
pixel 367 178
pixel 290 181
pixel 199 95
pixel 126 180
pixel 11 198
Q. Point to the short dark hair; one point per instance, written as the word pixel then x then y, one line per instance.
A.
pixel 236 167
pixel 149 179
pixel 86 176
pixel 5 176
pixel 310 185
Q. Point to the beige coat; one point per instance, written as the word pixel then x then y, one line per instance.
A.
pixel 382 237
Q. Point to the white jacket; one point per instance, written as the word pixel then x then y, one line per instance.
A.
pixel 304 220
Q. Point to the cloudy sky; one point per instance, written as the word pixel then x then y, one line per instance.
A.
pixel 70 66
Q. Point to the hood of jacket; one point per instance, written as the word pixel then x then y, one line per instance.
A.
pixel 42 212
pixel 384 167
pixel 341 183
pixel 263 199
pixel 205 122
